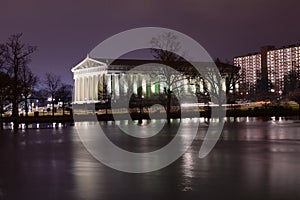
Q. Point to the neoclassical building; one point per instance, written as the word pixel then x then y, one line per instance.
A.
pixel 95 78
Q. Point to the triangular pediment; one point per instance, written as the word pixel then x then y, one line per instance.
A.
pixel 88 62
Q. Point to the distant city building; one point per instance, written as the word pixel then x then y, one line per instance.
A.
pixel 270 65
pixel 95 80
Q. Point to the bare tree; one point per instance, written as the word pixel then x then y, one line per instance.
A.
pixel 165 48
pixel 17 55
pixel 5 92
pixel 53 83
pixel 103 94
pixel 41 94
pixel 28 81
pixel 64 94
pixel 232 78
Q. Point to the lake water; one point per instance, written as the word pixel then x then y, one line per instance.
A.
pixel 254 159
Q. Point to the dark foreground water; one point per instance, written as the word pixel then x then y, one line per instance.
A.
pixel 253 159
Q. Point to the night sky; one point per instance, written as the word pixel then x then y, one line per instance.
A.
pixel 66 30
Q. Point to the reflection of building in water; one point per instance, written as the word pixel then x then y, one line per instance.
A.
pixel 94 79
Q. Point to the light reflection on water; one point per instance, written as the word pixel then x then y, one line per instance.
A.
pixel 9 126
pixel 254 159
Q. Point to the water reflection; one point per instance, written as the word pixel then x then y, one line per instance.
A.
pixel 254 159
pixel 9 126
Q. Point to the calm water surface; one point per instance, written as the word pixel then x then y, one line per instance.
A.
pixel 254 159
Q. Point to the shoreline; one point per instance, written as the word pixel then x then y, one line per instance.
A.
pixel 138 116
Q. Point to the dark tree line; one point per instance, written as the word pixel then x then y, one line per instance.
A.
pixel 292 86
pixel 18 82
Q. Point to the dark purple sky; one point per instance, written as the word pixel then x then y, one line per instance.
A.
pixel 65 30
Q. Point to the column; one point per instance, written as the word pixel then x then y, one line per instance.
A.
pixel 81 88
pixel 90 87
pixel 96 87
pixel 85 85
pixel 202 82
pixel 157 85
pixel 144 84
pixel 108 83
pixel 104 84
pixel 161 84
pixel 93 88
pixel 78 89
pixel 101 85
pixel 134 84
pixel 113 86
pixel 223 82
pixel 117 89
pixel 185 85
pixel 121 85
pixel 148 85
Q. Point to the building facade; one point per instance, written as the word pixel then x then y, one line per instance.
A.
pixel 95 79
pixel 270 66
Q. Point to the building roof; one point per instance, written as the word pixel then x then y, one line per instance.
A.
pixel 127 64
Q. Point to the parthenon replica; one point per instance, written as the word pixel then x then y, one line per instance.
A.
pixel 94 77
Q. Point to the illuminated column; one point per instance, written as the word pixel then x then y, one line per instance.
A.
pixel 161 84
pixel 89 88
pixel 202 82
pixel 185 86
pixel 100 85
pixel 128 83
pixel 121 86
pixel 78 90
pixel 82 89
pixel 147 88
pixel 112 85
pixel 86 88
pixel 144 85
pixel 223 82
pixel 124 82
pixel 93 88
pixel 109 83
pixel 86 85
pixel 149 84
pixel 134 84
pixel 96 87
pixel 117 88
